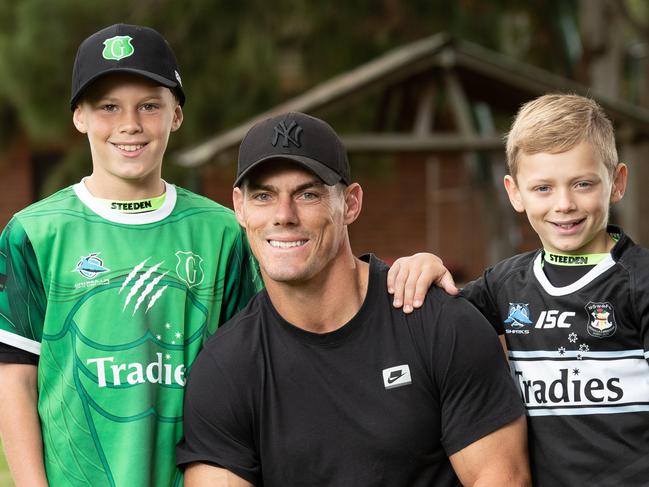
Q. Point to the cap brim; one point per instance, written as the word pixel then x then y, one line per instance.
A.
pixel 145 74
pixel 328 175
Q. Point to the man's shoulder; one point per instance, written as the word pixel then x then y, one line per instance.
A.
pixel 240 336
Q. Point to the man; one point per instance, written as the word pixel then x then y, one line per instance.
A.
pixel 319 380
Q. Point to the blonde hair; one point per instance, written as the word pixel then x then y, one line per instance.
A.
pixel 557 123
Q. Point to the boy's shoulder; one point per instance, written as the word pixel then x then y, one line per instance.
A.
pixel 55 202
pixel 517 263
pixel 188 199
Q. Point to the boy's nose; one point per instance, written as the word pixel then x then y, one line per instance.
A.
pixel 565 201
pixel 130 122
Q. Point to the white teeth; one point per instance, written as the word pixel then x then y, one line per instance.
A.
pixel 129 148
pixel 286 245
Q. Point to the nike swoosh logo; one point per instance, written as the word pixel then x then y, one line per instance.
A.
pixel 392 379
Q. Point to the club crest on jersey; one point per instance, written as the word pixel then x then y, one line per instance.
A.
pixel 90 265
pixel 518 315
pixel 601 319
pixel 190 268
pixel 117 48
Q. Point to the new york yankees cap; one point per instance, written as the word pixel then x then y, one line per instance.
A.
pixel 124 48
pixel 298 137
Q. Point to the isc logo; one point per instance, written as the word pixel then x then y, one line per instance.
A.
pixel 552 319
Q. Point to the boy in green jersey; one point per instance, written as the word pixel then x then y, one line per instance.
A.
pixel 109 287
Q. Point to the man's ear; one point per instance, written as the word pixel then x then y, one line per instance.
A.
pixel 79 120
pixel 619 182
pixel 353 202
pixel 237 202
pixel 514 194
pixel 178 118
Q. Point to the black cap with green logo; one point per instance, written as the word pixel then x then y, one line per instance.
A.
pixel 123 48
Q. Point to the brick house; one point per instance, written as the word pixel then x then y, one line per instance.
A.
pixel 424 126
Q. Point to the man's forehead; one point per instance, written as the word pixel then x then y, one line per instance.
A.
pixel 282 171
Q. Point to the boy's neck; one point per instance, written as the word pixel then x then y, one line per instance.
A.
pixel 124 190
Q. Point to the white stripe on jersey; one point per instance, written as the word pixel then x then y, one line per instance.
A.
pixel 639 353
pixel 598 383
pixel 20 342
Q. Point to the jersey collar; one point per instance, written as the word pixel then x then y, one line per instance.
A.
pixel 127 218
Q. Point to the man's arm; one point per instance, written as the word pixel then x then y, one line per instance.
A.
pixel 20 427
pixel 203 475
pixel 476 464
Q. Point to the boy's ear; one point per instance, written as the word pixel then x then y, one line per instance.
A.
pixel 619 182
pixel 237 202
pixel 178 118
pixel 514 194
pixel 79 120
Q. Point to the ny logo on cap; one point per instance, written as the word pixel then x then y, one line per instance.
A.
pixel 117 48
pixel 282 131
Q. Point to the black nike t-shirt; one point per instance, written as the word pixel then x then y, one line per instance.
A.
pixel 382 401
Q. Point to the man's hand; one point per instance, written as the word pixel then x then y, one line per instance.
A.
pixel 410 278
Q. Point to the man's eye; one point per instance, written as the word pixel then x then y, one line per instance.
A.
pixel 109 107
pixel 309 196
pixel 261 197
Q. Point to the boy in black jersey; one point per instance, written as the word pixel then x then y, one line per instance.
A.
pixel 575 314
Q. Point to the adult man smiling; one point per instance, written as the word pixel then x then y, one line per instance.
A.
pixel 319 381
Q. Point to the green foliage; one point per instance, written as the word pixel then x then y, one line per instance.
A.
pixel 237 58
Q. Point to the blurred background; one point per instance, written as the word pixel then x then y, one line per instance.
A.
pixel 422 92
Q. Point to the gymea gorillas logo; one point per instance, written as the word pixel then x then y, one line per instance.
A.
pixel 117 48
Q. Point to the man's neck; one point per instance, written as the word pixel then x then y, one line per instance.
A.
pixel 326 302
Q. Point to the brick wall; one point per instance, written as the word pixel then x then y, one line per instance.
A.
pixel 16 190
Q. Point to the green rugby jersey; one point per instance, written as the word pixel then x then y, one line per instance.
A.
pixel 118 306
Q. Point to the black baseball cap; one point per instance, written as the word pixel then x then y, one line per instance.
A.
pixel 123 48
pixel 298 137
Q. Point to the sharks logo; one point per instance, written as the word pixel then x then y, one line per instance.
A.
pixel 518 315
pixel 90 265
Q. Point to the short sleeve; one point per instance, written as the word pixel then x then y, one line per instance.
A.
pixel 22 296
pixel 480 293
pixel 242 278
pixel 217 421
pixel 477 392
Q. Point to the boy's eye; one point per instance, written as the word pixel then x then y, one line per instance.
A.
pixel 584 184
pixel 109 107
pixel 148 107
pixel 542 189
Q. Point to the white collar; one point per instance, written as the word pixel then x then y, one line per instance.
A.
pixel 128 218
